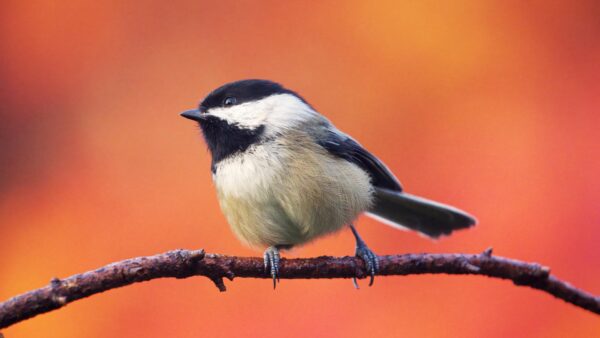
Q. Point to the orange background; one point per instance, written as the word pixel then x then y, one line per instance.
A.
pixel 492 107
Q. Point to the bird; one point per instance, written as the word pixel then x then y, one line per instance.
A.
pixel 285 175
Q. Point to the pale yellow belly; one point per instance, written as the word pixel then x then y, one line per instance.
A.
pixel 290 200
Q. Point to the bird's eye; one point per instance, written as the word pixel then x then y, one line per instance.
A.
pixel 229 101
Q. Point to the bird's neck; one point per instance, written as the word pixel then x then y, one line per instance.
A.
pixel 225 139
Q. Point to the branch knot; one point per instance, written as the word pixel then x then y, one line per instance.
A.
pixel 186 263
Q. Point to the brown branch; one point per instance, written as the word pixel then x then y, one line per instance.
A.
pixel 186 263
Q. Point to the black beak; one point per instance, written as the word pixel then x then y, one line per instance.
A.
pixel 193 114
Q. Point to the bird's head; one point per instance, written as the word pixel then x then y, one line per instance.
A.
pixel 242 113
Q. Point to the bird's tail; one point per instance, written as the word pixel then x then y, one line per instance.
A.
pixel 430 218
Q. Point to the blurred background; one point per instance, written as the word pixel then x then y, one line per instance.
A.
pixel 490 106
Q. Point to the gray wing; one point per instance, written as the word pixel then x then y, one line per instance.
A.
pixel 391 204
pixel 342 145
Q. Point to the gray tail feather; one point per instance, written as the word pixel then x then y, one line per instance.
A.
pixel 428 217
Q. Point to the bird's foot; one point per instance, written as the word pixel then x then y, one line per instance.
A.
pixel 272 259
pixel 371 261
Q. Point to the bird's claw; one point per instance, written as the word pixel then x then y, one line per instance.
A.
pixel 272 258
pixel 371 262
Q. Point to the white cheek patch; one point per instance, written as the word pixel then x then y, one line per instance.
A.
pixel 289 113
pixel 276 112
pixel 249 115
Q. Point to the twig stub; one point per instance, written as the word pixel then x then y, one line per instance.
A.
pixel 186 263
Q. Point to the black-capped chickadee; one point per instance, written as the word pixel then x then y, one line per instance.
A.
pixel 285 175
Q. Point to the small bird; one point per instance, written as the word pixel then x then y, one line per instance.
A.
pixel 285 175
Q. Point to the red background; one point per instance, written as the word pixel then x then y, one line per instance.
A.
pixel 492 107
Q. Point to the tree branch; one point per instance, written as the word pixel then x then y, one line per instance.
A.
pixel 186 263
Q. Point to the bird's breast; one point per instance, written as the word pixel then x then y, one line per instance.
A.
pixel 287 193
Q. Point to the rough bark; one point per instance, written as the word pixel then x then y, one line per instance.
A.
pixel 187 263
